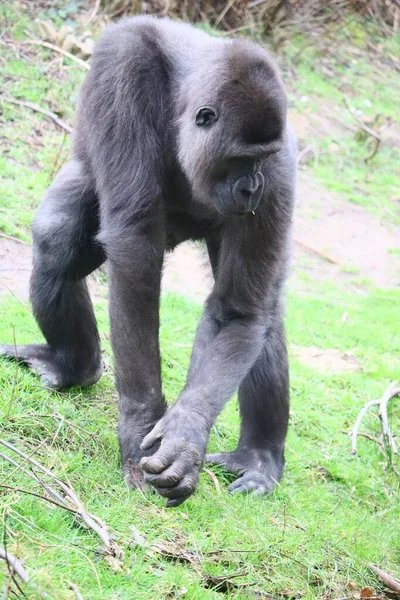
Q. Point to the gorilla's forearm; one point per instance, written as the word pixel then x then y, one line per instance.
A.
pixel 206 332
pixel 222 360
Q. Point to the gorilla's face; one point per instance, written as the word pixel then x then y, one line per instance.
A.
pixel 225 140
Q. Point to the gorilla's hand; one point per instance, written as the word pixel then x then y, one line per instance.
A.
pixel 174 469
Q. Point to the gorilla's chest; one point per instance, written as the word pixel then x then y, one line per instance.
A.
pixel 182 226
pixel 187 219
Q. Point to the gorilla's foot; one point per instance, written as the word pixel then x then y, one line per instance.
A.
pixel 259 471
pixel 44 362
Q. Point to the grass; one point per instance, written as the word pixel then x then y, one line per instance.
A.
pixel 332 513
pixel 353 63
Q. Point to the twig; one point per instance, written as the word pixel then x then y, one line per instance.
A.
pixel 15 564
pixel 317 252
pixel 34 476
pixel 12 238
pixel 392 391
pixel 76 591
pixel 367 130
pixel 213 479
pixel 15 295
pixel 304 152
pixel 224 11
pixel 363 126
pixel 79 61
pixel 92 521
pixel 390 581
pixel 56 160
pixel 92 16
pixel 357 424
pixel 29 493
pixel 39 109
pixel 388 440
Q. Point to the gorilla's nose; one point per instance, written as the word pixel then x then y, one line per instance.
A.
pixel 247 191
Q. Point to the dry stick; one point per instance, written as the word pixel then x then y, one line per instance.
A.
pixel 52 492
pixel 390 581
pixel 76 591
pixel 14 383
pixel 223 13
pixel 383 402
pixel 365 128
pixel 213 479
pixel 15 295
pixel 92 16
pixel 15 564
pixel 29 493
pixel 12 238
pixel 392 391
pixel 91 521
pixel 12 579
pixel 317 252
pixel 39 109
pixel 357 424
pixel 79 61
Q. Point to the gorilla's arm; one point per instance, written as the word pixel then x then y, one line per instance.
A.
pixel 229 340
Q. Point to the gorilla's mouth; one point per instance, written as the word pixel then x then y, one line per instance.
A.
pixel 236 200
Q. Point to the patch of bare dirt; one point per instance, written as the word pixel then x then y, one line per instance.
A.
pixel 15 268
pixel 326 360
pixel 15 271
pixel 348 234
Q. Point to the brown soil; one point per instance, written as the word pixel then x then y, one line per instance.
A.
pixel 326 360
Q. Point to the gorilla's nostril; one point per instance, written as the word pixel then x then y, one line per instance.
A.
pixel 246 193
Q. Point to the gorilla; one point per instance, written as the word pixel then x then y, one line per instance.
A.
pixel 178 136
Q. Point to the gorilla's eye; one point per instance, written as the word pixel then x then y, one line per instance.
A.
pixel 206 116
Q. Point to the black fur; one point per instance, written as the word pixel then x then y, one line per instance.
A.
pixel 150 170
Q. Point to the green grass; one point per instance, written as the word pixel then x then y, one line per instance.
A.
pixel 33 147
pixel 332 513
pixel 328 73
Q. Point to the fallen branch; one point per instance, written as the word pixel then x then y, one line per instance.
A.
pixel 388 440
pixel 76 59
pixel 70 501
pixel 15 564
pixel 39 109
pixel 367 130
pixel 317 252
pixel 391 582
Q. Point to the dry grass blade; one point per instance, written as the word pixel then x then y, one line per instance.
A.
pixel 70 500
pixel 79 61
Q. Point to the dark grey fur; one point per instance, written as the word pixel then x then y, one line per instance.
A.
pixel 144 177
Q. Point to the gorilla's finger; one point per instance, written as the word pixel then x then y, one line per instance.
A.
pixel 151 438
pixel 170 477
pixel 182 490
pixel 175 502
pixel 159 461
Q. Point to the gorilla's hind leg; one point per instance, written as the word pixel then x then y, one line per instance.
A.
pixel 64 252
pixel 264 409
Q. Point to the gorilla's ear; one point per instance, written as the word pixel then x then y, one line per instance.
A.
pixel 206 116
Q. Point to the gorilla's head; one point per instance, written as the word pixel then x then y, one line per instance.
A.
pixel 232 116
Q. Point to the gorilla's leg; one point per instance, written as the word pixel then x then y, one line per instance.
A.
pixel 264 409
pixel 64 252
